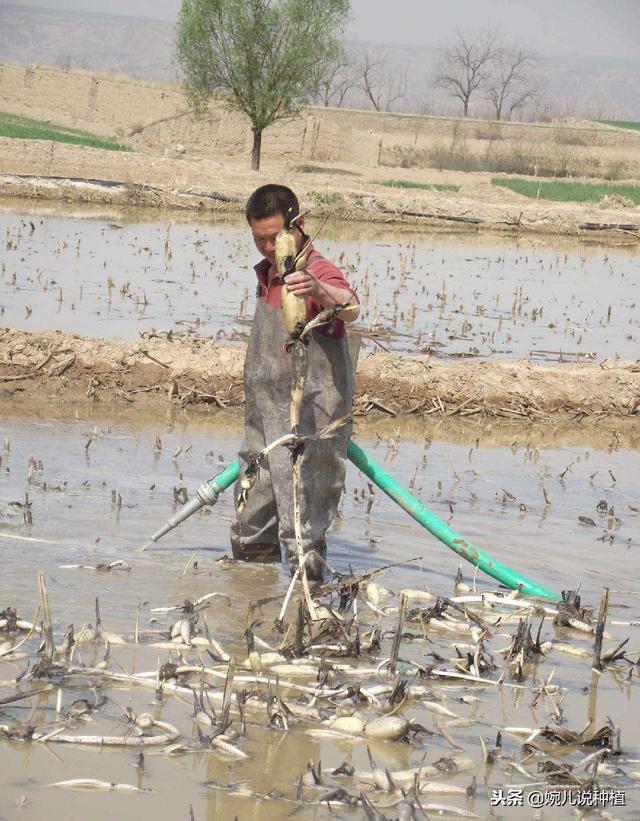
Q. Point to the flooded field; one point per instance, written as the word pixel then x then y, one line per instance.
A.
pixel 169 702
pixel 559 505
pixel 454 294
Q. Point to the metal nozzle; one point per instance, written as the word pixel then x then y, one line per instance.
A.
pixel 205 495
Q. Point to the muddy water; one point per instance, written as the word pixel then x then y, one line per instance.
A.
pixel 454 294
pixel 487 483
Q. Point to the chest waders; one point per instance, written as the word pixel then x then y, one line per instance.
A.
pixel 267 519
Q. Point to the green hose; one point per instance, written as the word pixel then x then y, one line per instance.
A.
pixel 209 491
pixel 225 478
pixel 442 531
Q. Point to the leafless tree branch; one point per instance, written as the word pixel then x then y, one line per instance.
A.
pixel 380 84
pixel 335 80
pixel 464 67
pixel 511 83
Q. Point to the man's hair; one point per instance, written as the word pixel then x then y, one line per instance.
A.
pixel 270 200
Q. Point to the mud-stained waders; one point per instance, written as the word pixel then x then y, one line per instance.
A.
pixel 267 522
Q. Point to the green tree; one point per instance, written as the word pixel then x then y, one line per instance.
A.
pixel 260 57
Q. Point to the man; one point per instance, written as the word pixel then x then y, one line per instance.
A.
pixel 266 521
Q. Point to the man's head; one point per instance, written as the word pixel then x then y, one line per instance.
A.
pixel 268 210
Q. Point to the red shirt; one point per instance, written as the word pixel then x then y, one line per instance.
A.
pixel 322 270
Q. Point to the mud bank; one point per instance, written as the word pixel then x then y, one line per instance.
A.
pixel 190 370
pixel 130 186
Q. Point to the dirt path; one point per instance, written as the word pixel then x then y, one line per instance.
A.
pixel 185 370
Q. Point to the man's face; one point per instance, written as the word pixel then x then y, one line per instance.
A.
pixel 265 232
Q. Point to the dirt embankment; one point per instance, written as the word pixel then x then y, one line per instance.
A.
pixel 340 162
pixel 186 370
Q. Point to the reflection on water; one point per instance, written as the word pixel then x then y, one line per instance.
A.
pixel 452 294
pixel 490 489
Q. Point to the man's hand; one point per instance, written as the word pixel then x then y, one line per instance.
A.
pixel 302 284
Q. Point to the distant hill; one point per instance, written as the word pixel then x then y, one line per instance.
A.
pixel 101 42
pixel 575 85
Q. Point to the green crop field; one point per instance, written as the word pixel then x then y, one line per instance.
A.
pixel 621 124
pixel 565 191
pixel 26 129
pixel 425 186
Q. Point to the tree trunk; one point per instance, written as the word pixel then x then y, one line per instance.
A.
pixel 255 151
pixel 465 103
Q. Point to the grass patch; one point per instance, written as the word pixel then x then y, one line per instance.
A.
pixel 319 169
pixel 26 129
pixel 621 124
pixel 424 186
pixel 568 191
pixel 326 197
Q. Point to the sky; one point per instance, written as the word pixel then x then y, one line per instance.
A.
pixel 600 28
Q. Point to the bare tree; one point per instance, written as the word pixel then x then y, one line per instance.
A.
pixel 382 85
pixel 465 65
pixel 64 61
pixel 335 79
pixel 511 83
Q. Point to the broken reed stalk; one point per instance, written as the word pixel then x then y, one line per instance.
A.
pixel 227 694
pixel 20 696
pixel 98 619
pixel 592 705
pixel 297 523
pixel 47 627
pixel 397 638
pixel 294 311
pixel 12 649
pixel 447 736
pixel 169 734
pixel 285 603
pixel 136 635
pixel 214 648
pixel 599 632
pixel 298 646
